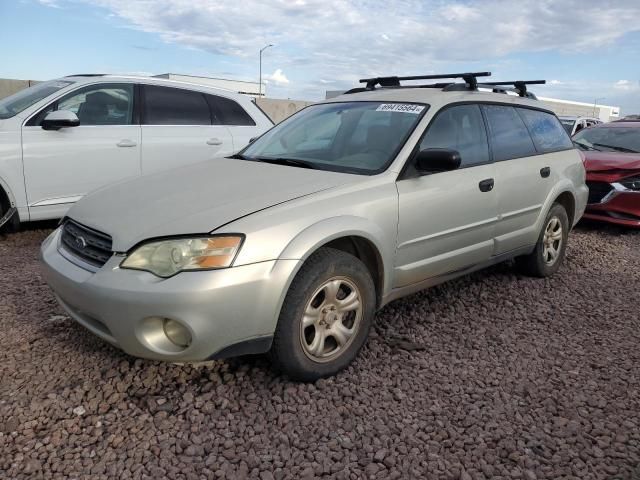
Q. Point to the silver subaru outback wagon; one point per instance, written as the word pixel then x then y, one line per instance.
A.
pixel 290 246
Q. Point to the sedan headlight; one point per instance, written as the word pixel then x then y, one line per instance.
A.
pixel 165 258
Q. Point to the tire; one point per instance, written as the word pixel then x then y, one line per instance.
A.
pixel 337 293
pixel 13 224
pixel 547 257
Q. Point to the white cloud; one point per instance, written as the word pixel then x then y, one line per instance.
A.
pixel 346 40
pixel 50 3
pixel 422 30
pixel 277 77
pixel 627 85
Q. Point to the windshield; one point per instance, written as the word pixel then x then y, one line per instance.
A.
pixel 356 137
pixel 609 139
pixel 568 123
pixel 22 100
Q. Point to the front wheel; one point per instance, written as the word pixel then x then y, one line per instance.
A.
pixel 546 258
pixel 326 316
pixel 8 225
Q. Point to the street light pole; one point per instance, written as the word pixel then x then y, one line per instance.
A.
pixel 260 81
pixel 594 104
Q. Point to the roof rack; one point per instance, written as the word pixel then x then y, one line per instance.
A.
pixel 87 75
pixel 519 86
pixel 469 77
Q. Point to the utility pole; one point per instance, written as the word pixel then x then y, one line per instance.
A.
pixel 260 81
pixel 594 104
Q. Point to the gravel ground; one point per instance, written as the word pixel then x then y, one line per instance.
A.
pixel 490 376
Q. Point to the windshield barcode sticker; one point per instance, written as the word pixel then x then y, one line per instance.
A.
pixel 400 107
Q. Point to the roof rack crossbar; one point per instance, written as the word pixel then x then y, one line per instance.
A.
pixel 87 75
pixel 519 85
pixel 470 78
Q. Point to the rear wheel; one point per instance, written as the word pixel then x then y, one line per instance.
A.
pixel 326 316
pixel 550 249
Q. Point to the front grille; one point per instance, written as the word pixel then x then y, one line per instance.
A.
pixel 89 245
pixel 598 190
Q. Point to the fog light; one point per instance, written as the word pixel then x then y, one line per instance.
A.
pixel 176 333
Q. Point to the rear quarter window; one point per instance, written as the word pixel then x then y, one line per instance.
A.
pixel 546 130
pixel 228 112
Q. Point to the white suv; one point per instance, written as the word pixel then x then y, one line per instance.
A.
pixel 574 124
pixel 63 138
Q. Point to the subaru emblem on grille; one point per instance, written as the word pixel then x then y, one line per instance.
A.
pixel 81 243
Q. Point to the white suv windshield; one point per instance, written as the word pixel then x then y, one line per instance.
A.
pixel 356 137
pixel 16 103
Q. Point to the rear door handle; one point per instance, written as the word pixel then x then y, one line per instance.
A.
pixel 214 141
pixel 545 172
pixel 126 143
pixel 486 185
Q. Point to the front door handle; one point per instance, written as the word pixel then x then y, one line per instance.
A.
pixel 126 143
pixel 214 141
pixel 486 185
pixel 545 172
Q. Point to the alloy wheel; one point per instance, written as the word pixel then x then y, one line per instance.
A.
pixel 331 319
pixel 552 241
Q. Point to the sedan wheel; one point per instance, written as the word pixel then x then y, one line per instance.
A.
pixel 552 241
pixel 548 254
pixel 326 316
pixel 331 319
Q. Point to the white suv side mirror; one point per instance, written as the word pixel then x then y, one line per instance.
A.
pixel 60 119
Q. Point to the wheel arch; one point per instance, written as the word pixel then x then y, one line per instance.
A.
pixel 568 201
pixel 354 235
pixel 6 196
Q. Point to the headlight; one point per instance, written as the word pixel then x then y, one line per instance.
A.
pixel 632 183
pixel 168 257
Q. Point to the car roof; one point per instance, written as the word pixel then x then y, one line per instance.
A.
pixel 575 117
pixel 619 123
pixel 435 97
pixel 98 77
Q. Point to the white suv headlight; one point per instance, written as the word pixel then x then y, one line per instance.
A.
pixel 165 258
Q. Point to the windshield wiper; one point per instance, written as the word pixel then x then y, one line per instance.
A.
pixel 294 162
pixel 237 156
pixel 616 148
pixel 583 145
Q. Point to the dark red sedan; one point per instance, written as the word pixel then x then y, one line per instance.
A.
pixel 612 161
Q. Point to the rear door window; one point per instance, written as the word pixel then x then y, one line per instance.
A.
pixel 228 112
pixel 546 130
pixel 509 135
pixel 174 106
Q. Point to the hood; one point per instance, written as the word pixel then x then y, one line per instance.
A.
pixel 196 199
pixel 603 161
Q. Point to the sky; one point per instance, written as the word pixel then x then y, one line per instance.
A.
pixel 586 50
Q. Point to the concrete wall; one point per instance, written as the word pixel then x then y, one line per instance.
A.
pixel 278 109
pixel 9 86
pixel 248 88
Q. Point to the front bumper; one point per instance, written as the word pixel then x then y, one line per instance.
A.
pixel 620 206
pixel 222 309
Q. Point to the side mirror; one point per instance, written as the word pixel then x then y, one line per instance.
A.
pixel 60 119
pixel 433 160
